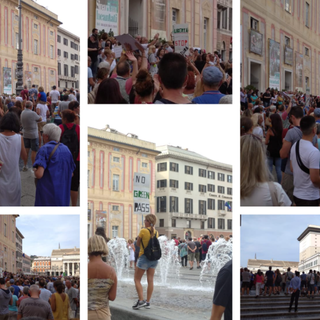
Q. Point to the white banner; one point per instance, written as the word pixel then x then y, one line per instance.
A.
pixel 181 37
pixel 107 15
pixel 141 193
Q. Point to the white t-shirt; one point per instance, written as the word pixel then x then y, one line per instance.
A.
pixel 19 98
pixel 55 95
pixel 261 196
pixel 310 156
pixel 145 47
pixel 43 111
pixel 258 132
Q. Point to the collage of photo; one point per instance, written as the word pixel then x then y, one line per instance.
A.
pixel 153 214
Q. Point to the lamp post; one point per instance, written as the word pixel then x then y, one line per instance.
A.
pixel 19 71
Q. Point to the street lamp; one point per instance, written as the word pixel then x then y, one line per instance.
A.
pixel 19 86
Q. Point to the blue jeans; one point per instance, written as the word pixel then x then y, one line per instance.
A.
pixel 277 162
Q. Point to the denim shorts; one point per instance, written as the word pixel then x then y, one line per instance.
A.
pixel 145 264
pixel 32 144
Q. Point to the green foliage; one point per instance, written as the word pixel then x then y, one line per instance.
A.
pixel 250 87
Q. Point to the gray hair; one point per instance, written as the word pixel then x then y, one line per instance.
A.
pixel 29 104
pixel 11 289
pixel 34 287
pixel 25 290
pixel 52 131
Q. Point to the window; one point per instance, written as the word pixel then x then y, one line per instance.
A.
pixel 162 166
pixel 51 52
pixel 220 189
pixel 116 159
pixel 65 54
pixel 220 205
pixel 161 204
pixel 307 14
pixel 173 223
pixel 116 149
pixel 12 238
pixel 211 204
pixel 71 44
pixel 188 170
pixel 211 188
pixel 142 154
pixel 188 205
pixel 229 208
pixel 174 16
pixel 5 229
pixel 306 51
pixel 115 208
pixel 202 188
pixel 72 56
pixel 202 207
pixel 51 33
pixel 224 19
pixel 221 224
pixel 288 5
pixel 59 38
pixel 59 52
pixel 17 41
pixel 59 69
pixel 174 167
pixel 174 207
pixel 65 70
pixel 229 191
pixel 35 26
pixel 161 223
pixel 211 223
pixel 205 32
pixel 161 183
pixel 229 178
pixel 254 24
pixel 76 57
pixel 221 176
pixel 76 70
pixel 144 165
pixel 202 224
pixel 35 69
pixel 287 41
pixel 230 19
pixel 229 222
pixel 188 223
pixel 188 186
pixel 211 175
pixel 174 184
pixel 202 173
pixel 115 182
pixel 65 41
pixel 35 46
pixel 114 231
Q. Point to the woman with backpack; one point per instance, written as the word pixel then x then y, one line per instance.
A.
pixel 70 136
pixel 149 255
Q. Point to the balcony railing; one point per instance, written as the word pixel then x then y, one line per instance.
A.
pixel 189 216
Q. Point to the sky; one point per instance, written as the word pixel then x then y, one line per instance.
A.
pixel 272 236
pixel 67 12
pixel 43 233
pixel 204 130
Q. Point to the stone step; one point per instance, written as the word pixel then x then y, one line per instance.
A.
pixel 280 308
pixel 261 302
pixel 274 314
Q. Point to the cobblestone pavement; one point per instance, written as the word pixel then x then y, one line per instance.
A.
pixel 185 295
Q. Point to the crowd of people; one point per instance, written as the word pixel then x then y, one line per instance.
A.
pixel 271 282
pixel 144 254
pixel 152 72
pixel 280 148
pixel 39 297
pixel 48 124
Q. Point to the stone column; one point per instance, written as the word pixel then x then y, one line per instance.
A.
pixel 63 264
pixel 72 269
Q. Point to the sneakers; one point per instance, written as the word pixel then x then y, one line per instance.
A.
pixel 147 305
pixel 140 304
pixel 24 169
pixel 199 267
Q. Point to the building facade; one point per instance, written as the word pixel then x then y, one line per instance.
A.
pixel 113 158
pixel 224 29
pixel 191 194
pixel 148 17
pixel 41 265
pixel 19 251
pixel 257 264
pixel 280 45
pixel 68 60
pixel 65 262
pixel 26 264
pixel 309 251
pixel 39 45
pixel 8 243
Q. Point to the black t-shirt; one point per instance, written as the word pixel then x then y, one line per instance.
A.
pixel 249 98
pixel 269 275
pixel 93 54
pixel 223 290
pixel 266 97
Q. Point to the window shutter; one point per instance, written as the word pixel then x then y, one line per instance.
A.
pixel 191 205
pixel 185 169
pixel 165 183
pixel 177 184
pixel 165 204
pixel 170 203
pixel 191 170
pixel 158 183
pixel 158 167
pixel 177 203
pixel 191 186
pixel 158 204
pixel 199 188
pixel 205 188
pixel 185 186
pixel 177 167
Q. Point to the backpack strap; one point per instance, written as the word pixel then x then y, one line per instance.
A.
pixel 65 127
pixel 142 241
pixel 299 161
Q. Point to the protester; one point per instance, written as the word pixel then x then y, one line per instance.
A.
pixel 59 302
pixel 102 280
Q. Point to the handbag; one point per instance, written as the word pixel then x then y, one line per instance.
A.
pixel 51 154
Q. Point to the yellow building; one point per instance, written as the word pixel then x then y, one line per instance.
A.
pixel 39 45
pixel 148 17
pixel 280 45
pixel 8 243
pixel 113 158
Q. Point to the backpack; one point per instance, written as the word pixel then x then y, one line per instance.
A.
pixel 152 251
pixel 70 139
pixel 205 247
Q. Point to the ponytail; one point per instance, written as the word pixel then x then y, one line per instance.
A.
pixel 152 219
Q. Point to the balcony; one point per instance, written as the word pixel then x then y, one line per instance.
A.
pixel 189 216
pixel 222 213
